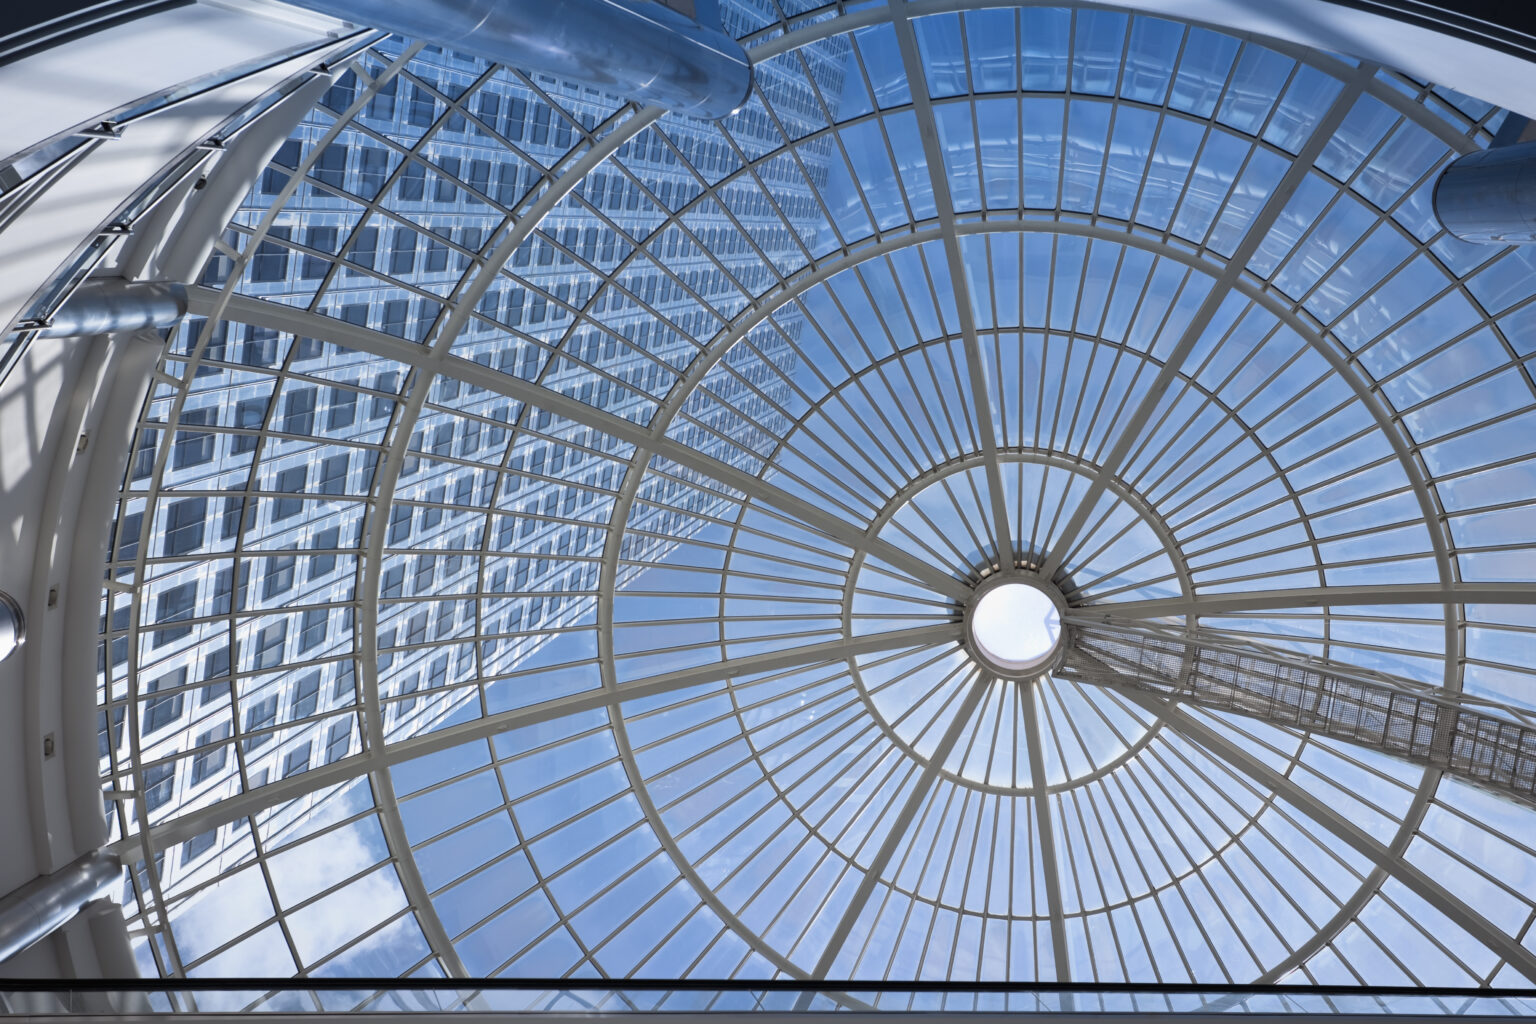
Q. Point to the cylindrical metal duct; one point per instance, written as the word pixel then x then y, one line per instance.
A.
pixel 12 625
pixel 111 305
pixel 43 905
pixel 1490 196
pixel 639 49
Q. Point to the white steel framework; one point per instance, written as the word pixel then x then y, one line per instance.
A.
pixel 968 290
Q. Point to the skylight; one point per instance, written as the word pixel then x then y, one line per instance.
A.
pixel 547 551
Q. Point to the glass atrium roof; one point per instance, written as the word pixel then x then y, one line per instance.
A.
pixel 547 551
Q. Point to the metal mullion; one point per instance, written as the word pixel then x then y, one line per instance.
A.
pixel 144 835
pixel 980 398
pixel 1070 337
pixel 370 208
pixel 1143 364
pixel 1472 471
pixel 1094 797
pixel 704 645
pixel 1084 830
pixel 1332 821
pixel 401 750
pixel 724 208
pixel 1209 127
pixel 1212 859
pixel 874 736
pixel 1046 838
pixel 1223 285
pixel 774 406
pixel 787 542
pixel 858 379
pixel 641 246
pixel 792 149
pixel 1185 384
pixel 1292 499
pixel 897 358
pixel 1174 887
pixel 837 140
pixel 764 511
pixel 1046 814
pixel 756 752
pixel 1122 351
pixel 804 363
pixel 959 562
pixel 748 171
pixel 965 795
pixel 896 829
pixel 1514 360
pixel 486 77
pixel 931 811
pixel 1095 337
pixel 1212 395
pixel 972 737
pixel 747 858
pixel 965 520
pixel 780 379
pixel 786 444
pixel 1316 541
pixel 1266 452
pixel 912 616
pixel 357 387
pixel 1125 567
pixel 1233 846
pixel 1319 568
pixel 1388 952
pixel 933 690
pixel 1450 851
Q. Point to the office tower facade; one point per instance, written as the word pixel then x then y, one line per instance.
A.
pixel 277 440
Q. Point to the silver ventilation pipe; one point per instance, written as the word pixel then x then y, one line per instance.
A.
pixel 12 625
pixel 1490 196
pixel 111 305
pixel 674 55
pixel 45 904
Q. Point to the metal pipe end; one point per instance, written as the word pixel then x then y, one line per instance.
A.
pixel 13 625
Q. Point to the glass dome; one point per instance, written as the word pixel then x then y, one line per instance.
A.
pixel 546 551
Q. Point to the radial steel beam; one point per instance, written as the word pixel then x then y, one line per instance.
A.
pixel 245 309
pixel 898 829
pixel 1324 815
pixel 1132 432
pixel 975 360
pixel 1343 595
pixel 250 802
pixel 1419 724
pixel 1045 830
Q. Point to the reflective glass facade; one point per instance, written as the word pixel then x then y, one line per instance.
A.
pixel 546 553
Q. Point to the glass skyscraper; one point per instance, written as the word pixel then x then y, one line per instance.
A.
pixel 276 444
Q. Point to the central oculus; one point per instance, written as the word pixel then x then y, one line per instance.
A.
pixel 1015 627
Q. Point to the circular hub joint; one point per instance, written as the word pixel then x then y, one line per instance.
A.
pixel 1013 625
